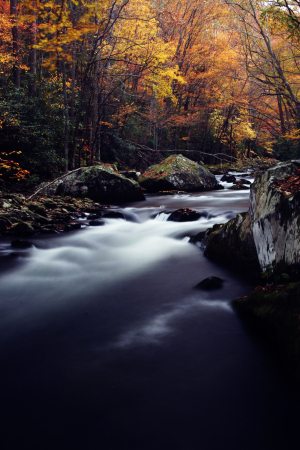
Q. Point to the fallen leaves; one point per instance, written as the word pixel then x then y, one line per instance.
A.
pixel 289 185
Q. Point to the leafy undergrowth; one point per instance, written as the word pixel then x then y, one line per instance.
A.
pixel 289 185
pixel 259 163
pixel 276 307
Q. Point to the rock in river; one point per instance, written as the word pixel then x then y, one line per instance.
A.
pixel 210 283
pixel 269 234
pixel 185 215
pixel 177 173
pixel 20 243
pixel 101 183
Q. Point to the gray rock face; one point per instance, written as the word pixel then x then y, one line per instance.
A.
pixel 269 233
pixel 275 218
pixel 177 173
pixel 100 183
pixel 232 243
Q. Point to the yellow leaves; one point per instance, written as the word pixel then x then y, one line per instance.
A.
pixel 161 82
pixel 293 135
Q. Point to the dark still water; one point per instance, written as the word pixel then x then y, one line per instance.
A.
pixel 106 345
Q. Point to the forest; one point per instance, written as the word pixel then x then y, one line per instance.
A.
pixel 120 81
pixel 150 224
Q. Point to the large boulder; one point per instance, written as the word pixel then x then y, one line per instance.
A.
pixel 232 244
pixel 269 234
pixel 177 173
pixel 101 183
pixel 275 215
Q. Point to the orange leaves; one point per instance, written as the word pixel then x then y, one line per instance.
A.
pixel 289 185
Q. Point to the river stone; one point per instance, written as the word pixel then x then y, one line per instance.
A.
pixel 210 283
pixel 177 173
pixel 38 208
pixel 228 178
pixel 96 223
pixel 113 215
pixel 185 215
pixel 239 187
pixel 22 229
pixel 101 183
pixel 243 181
pixel 20 243
pixel 49 203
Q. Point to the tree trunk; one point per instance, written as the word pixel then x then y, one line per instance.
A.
pixel 16 44
pixel 66 143
pixel 32 59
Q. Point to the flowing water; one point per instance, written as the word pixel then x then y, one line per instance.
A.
pixel 106 345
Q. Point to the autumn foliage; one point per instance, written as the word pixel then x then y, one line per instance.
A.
pixel 123 80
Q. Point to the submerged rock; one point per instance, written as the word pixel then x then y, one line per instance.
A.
pixel 210 283
pixel 20 243
pixel 113 215
pixel 96 223
pixel 177 173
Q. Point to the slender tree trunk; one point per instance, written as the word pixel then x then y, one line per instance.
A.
pixel 32 59
pixel 66 143
pixel 16 44
pixel 72 112
pixel 281 116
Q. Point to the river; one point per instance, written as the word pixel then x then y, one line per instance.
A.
pixel 106 345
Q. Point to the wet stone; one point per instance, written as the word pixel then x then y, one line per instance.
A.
pixel 228 178
pixel 114 215
pixel 96 223
pixel 186 215
pixel 20 243
pixel 210 283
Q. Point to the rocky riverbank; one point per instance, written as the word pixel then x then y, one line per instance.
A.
pixel 265 242
pixel 23 218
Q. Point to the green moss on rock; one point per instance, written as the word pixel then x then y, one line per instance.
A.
pixel 101 183
pixel 177 173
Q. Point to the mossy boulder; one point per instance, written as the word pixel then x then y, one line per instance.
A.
pixel 177 173
pixel 38 208
pixel 101 183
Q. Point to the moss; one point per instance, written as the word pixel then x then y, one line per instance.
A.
pixel 169 166
pixel 278 306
